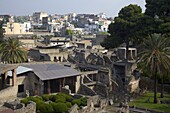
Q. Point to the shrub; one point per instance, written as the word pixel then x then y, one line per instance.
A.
pixel 35 99
pixel 38 104
pixel 45 108
pixel 67 97
pixel 69 105
pixel 24 101
pixel 53 104
pixel 59 107
pixel 60 99
pixel 39 97
pixel 45 97
pixel 77 101
pixel 52 98
pixel 83 101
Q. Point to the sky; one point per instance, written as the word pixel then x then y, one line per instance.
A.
pixel 27 7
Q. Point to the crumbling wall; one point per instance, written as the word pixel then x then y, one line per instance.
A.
pixel 8 94
pixel 93 102
pixel 85 90
pixel 86 79
pixel 133 85
pixel 20 107
pixel 101 89
pixel 30 108
pixel 73 109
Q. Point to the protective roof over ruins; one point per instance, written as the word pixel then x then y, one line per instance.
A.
pixel 52 71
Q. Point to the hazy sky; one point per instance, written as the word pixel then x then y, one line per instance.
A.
pixel 27 7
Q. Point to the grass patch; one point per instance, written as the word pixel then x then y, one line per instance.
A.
pixel 142 102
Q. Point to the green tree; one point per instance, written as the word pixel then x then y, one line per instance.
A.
pixel 155 56
pixel 124 27
pixel 12 51
pixel 162 10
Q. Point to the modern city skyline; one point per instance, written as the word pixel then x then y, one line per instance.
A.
pixel 27 7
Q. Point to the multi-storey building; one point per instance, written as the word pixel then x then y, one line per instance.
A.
pixel 38 16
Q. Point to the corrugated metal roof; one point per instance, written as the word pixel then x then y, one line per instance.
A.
pixel 52 71
pixel 20 70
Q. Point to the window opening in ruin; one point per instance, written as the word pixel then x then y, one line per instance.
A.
pixel 21 88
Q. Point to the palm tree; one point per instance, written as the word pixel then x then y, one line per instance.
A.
pixel 155 54
pixel 12 51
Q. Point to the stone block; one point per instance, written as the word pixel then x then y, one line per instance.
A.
pixel 66 90
pixel 73 109
pixel 110 101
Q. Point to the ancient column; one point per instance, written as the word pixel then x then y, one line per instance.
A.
pixel 14 77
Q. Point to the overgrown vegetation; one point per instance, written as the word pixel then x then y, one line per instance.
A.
pixel 58 103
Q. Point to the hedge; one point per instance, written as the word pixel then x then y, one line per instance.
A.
pixel 67 97
pixel 25 101
pixel 45 108
pixel 60 99
pixel 80 102
pixel 59 107
pixel 69 105
pixel 45 97
pixel 76 101
pixel 83 101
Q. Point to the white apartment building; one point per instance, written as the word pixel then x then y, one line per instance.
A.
pixel 12 28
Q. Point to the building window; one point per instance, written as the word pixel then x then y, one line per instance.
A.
pixel 21 88
pixel 59 58
pixel 55 59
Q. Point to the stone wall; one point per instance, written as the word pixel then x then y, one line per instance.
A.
pixel 23 80
pixel 95 99
pixel 93 103
pixel 47 51
pixel 103 77
pixel 85 90
pixel 133 85
pixel 30 108
pixel 66 90
pixel 8 94
pixel 28 79
pixel 59 56
pixel 20 107
pixel 73 109
pixel 101 89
